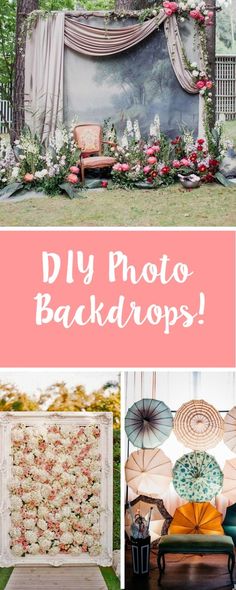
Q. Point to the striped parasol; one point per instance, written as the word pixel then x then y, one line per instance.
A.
pixel 196 518
pixel 229 487
pixel 198 425
pixel 230 429
pixel 197 477
pixel 148 423
pixel 148 472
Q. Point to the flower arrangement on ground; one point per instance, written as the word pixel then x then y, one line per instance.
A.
pixel 159 160
pixel 55 490
pixel 30 164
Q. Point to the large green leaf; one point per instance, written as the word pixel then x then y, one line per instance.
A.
pixel 72 191
pixel 11 189
pixel 221 179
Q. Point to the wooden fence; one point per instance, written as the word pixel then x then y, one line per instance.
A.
pixel 226 86
pixel 5 110
pixel 225 92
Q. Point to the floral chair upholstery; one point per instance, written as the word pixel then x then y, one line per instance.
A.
pixel 89 140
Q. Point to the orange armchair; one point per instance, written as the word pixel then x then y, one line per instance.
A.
pixel 88 138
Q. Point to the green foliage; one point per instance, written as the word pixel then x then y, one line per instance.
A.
pixel 226 29
pixel 97 4
pixel 5 573
pixel 112 582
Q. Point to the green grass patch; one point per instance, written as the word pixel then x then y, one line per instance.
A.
pixel 230 131
pixel 110 578
pixel 210 205
pixel 5 573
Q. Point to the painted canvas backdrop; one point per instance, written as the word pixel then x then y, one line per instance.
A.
pixel 138 83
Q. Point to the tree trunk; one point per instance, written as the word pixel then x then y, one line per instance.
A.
pixel 133 4
pixel 211 54
pixel 24 8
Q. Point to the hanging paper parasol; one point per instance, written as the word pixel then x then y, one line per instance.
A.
pixel 160 518
pixel 199 518
pixel 198 425
pixel 148 423
pixel 197 477
pixel 229 487
pixel 230 429
pixel 148 472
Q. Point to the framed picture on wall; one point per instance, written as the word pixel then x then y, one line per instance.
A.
pixel 56 478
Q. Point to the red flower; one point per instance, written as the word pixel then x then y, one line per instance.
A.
pixel 165 170
pixel 202 168
pixel 213 163
pixel 193 157
pixel 199 148
pixel 149 179
pixel 201 141
pixel 104 183
pixel 176 140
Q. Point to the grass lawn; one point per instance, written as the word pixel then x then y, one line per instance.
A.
pixel 5 573
pixel 211 205
pixel 110 578
pixel 230 130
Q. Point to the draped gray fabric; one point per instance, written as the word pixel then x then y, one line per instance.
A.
pixel 45 60
pixel 101 42
pixel 44 63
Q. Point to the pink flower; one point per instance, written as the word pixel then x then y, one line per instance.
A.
pixel 196 14
pixel 170 7
pixel 74 169
pixel 28 177
pixel 125 167
pixel 150 151
pixel 200 84
pixel 146 169
pixel 176 164
pixel 104 183
pixel 184 162
pixel 156 148
pixel 209 84
pixel 117 167
pixel 152 160
pixel 73 179
pixel 168 11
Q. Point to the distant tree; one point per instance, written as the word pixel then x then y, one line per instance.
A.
pixel 11 399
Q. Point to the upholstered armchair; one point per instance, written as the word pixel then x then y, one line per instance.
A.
pixel 89 139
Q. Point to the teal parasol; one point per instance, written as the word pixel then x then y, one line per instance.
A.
pixel 148 423
pixel 197 477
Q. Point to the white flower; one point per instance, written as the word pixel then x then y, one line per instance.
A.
pixel 16 517
pixel 16 502
pixel 45 544
pixel 89 540
pixel 42 524
pixel 18 549
pixel 66 511
pixel 79 538
pixel 54 550
pixel 42 511
pixel 31 536
pixel 41 173
pixel 15 532
pixel 64 525
pixel 29 523
pixel 17 435
pixel 33 549
pixel 15 172
pixel 66 538
pixel 195 73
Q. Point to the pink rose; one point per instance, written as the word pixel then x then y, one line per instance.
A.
pixel 210 13
pixel 184 162
pixel 156 148
pixel 168 11
pixel 209 84
pixel 176 164
pixel 74 169
pixel 125 167
pixel 28 177
pixel 146 169
pixel 196 14
pixel 150 151
pixel 72 178
pixel 152 160
pixel 200 84
pixel 117 167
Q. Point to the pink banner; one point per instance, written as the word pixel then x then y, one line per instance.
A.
pixel 117 298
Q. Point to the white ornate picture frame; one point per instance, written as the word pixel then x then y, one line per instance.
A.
pixel 40 422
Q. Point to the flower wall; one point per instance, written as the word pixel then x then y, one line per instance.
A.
pixel 55 490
